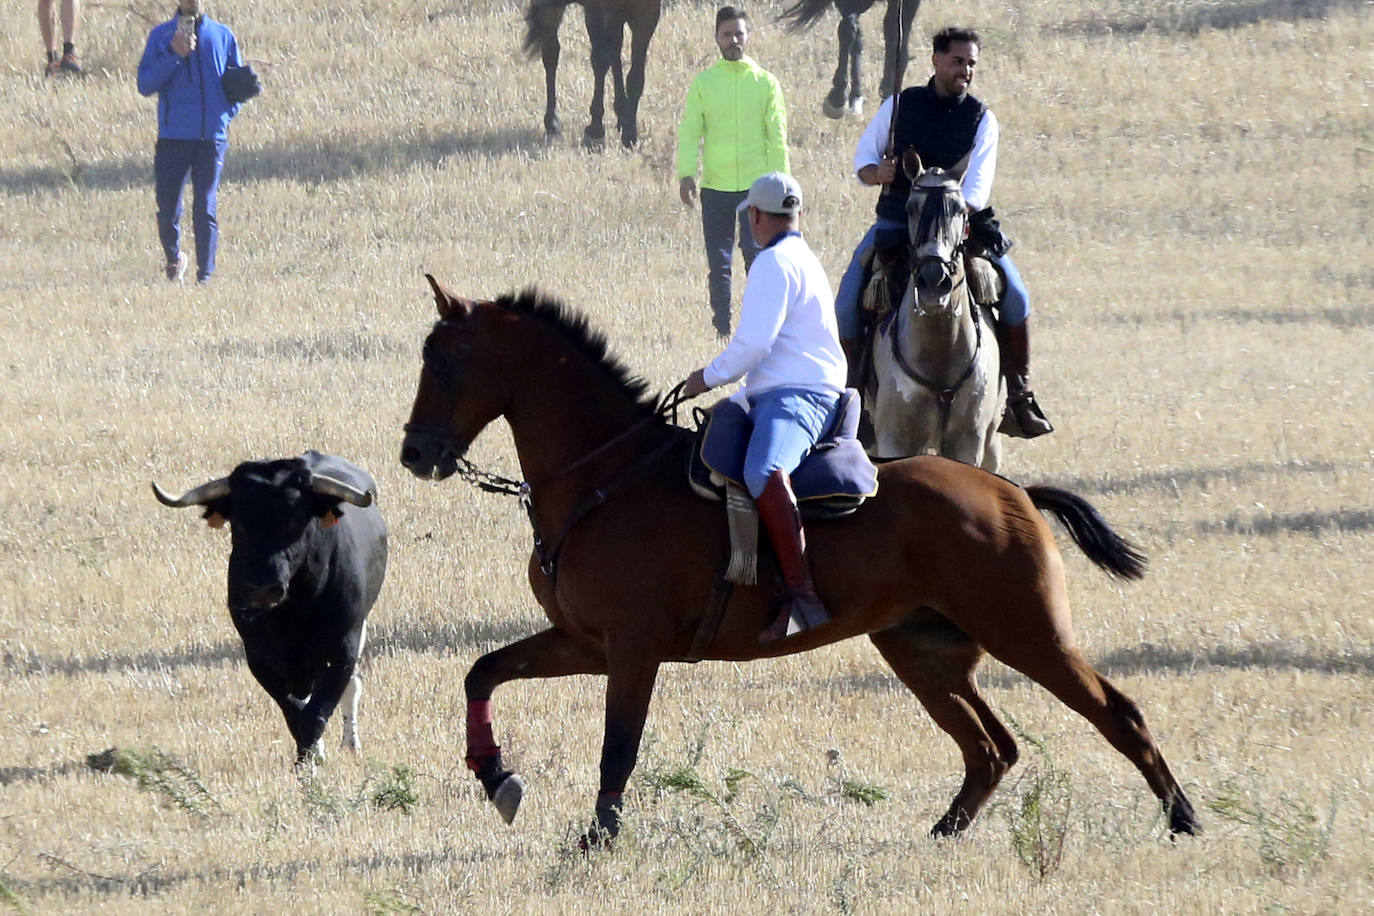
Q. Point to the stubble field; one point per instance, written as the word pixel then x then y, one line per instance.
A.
pixel 1191 187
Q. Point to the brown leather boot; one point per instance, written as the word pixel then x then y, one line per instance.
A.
pixel 801 608
pixel 1023 418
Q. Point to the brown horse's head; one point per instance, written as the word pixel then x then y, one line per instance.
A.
pixel 453 404
pixel 937 222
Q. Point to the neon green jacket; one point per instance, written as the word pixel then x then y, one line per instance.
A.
pixel 737 120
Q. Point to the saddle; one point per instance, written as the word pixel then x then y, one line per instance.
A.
pixel 886 273
pixel 834 478
pixel 832 481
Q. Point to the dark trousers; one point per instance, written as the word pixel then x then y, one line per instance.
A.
pixel 719 220
pixel 203 160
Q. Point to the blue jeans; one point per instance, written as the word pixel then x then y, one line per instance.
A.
pixel 787 423
pixel 203 160
pixel 719 221
pixel 1013 310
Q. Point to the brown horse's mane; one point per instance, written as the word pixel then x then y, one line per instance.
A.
pixel 577 329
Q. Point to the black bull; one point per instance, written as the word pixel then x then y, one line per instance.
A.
pixel 307 563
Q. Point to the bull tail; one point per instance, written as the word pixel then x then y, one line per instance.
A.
pixel 539 23
pixel 1107 550
pixel 804 14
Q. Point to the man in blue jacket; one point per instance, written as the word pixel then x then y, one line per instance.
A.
pixel 184 63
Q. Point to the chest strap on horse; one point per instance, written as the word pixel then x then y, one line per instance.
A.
pixel 548 556
pixel 944 394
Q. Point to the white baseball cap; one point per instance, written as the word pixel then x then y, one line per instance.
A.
pixel 776 192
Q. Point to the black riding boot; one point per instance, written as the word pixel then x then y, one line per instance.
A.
pixel 801 608
pixel 1023 418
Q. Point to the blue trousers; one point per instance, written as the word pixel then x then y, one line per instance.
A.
pixel 787 423
pixel 1014 309
pixel 203 160
pixel 719 220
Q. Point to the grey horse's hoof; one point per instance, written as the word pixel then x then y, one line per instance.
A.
pixel 834 112
pixel 508 796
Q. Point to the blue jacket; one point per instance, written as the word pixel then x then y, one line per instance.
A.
pixel 190 95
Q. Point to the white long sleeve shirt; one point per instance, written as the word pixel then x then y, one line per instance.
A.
pixel 982 166
pixel 787 334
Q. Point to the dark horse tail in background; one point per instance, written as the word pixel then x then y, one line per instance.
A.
pixel 946 563
pixel 606 22
pixel 846 91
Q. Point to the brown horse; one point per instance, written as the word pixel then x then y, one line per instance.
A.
pixel 846 96
pixel 945 563
pixel 606 23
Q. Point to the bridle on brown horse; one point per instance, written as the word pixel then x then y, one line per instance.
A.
pixel 448 370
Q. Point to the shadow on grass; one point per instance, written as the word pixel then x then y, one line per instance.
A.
pixel 1354 317
pixel 460 637
pixel 146 884
pixel 1173 480
pixel 11 775
pixel 1146 660
pixel 1189 19
pixel 326 159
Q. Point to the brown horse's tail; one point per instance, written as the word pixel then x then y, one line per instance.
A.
pixel 1090 531
pixel 804 14
pixel 537 26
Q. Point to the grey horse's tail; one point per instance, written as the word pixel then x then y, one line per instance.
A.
pixel 536 26
pixel 804 14
pixel 1108 550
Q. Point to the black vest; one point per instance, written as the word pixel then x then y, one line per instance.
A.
pixel 940 130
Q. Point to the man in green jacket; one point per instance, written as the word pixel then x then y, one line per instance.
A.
pixel 735 124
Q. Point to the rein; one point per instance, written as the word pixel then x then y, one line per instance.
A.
pixel 547 551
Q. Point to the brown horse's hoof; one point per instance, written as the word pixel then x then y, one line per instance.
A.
pixel 594 839
pixel 508 796
pixel 1182 818
pixel 955 822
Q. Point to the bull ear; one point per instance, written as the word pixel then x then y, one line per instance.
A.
pixel 214 519
pixel 911 163
pixel 450 307
pixel 329 519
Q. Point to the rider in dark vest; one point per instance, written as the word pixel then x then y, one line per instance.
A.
pixel 946 127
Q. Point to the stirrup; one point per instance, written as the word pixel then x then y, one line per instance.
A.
pixel 1023 418
pixel 797 614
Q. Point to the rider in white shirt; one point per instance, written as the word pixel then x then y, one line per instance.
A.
pixel 788 352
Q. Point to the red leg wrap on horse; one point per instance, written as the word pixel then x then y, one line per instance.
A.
pixel 481 740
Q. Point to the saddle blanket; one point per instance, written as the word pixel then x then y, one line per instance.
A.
pixel 834 478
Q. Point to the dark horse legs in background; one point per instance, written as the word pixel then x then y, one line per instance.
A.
pixel 947 563
pixel 846 90
pixel 606 22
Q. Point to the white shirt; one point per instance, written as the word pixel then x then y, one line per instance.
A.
pixel 787 335
pixel 982 166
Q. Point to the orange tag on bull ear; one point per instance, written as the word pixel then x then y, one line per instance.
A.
pixel 329 519
pixel 215 520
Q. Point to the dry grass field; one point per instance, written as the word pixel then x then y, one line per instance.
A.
pixel 1191 186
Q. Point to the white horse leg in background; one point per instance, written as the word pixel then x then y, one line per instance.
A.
pixel 348 704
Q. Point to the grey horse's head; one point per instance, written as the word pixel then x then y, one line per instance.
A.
pixel 937 224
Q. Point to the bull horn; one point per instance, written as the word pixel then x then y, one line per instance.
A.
pixel 328 486
pixel 206 492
